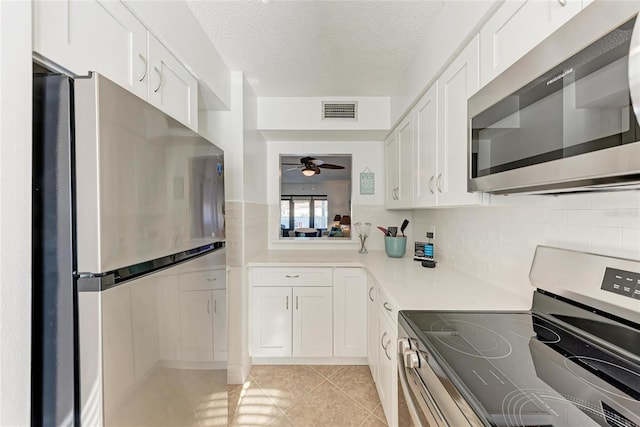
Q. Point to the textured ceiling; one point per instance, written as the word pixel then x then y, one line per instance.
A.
pixel 314 47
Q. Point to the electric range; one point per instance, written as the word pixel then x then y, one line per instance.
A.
pixel 563 363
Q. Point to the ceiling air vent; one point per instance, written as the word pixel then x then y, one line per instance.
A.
pixel 343 111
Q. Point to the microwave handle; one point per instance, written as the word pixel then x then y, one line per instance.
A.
pixel 634 69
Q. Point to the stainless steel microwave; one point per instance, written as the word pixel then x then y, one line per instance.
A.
pixel 562 117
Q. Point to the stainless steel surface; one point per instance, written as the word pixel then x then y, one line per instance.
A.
pixel 146 65
pixel 403 345
pixel 634 70
pixel 616 166
pixel 411 359
pixel 578 275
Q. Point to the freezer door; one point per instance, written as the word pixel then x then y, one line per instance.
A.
pixel 147 186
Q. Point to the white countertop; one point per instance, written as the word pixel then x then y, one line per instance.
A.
pixel 411 286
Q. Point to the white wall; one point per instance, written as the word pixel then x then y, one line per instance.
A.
pixel 293 113
pixel 255 150
pixel 496 243
pixel 15 213
pixel 448 33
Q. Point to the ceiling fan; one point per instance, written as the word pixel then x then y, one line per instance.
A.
pixel 311 166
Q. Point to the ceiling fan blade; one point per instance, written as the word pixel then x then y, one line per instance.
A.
pixel 317 170
pixel 330 166
pixel 291 164
pixel 291 169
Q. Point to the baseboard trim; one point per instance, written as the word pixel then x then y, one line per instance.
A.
pixel 310 361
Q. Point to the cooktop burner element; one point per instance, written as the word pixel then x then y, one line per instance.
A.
pixel 470 338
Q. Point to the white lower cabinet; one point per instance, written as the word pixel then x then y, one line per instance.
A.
pixel 388 369
pixel 350 312
pixel 219 325
pixel 196 322
pixel 372 329
pixel 291 321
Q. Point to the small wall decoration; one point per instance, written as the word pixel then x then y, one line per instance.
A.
pixel 367 182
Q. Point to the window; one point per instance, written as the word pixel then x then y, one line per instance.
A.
pixel 303 212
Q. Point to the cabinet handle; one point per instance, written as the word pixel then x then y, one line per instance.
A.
pixel 385 350
pixel 296 302
pixel 292 276
pixel 286 304
pixel 370 297
pixel 208 310
pixel 211 280
pixel 563 3
pixel 144 61
pixel 160 80
pixel 397 193
pixel 386 308
pixel 438 182
pixel 215 306
pixel 431 184
pixel 382 339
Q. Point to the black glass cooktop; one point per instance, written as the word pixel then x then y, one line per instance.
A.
pixel 530 369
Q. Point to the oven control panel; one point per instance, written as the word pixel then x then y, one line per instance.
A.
pixel 626 283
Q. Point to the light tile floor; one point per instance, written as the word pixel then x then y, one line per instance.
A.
pixel 296 395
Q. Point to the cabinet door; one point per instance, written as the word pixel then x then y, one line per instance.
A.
pixel 271 321
pixel 144 316
pixel 388 374
pixel 171 87
pixel 82 36
pixel 392 171
pixel 312 321
pixel 350 312
pixel 516 28
pixel 372 330
pixel 458 82
pixel 220 325
pixel 426 149
pixel 196 326
pixel 405 162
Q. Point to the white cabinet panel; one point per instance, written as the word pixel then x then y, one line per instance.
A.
pixel 312 321
pixel 84 36
pixel 291 276
pixel 271 321
pixel 517 27
pixel 144 314
pixel 219 325
pixel 458 82
pixel 350 312
pixel 196 325
pixel 203 280
pixel 398 159
pixel 171 87
pixel 425 149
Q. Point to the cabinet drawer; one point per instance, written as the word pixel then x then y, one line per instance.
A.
pixel 388 305
pixel 304 276
pixel 203 280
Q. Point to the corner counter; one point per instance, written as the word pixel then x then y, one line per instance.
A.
pixel 406 282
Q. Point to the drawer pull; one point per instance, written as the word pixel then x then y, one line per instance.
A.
pixel 385 350
pixel 144 60
pixel 160 80
pixel 382 340
pixel 208 310
pixel 286 304
pixel 215 306
pixel 563 3
pixel 370 297
pixel 296 302
pixel 292 276
pixel 386 308
pixel 209 279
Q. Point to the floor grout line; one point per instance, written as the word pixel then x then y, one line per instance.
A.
pixel 354 399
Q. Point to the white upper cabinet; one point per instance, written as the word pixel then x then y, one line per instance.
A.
pixel 103 36
pixel 425 150
pixel 458 82
pixel 398 152
pixel 171 87
pixel 516 28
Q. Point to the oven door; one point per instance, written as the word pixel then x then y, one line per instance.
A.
pixel 413 398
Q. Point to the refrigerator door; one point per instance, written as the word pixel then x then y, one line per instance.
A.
pixel 54 391
pixel 148 186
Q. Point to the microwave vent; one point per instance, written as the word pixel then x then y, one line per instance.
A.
pixel 347 111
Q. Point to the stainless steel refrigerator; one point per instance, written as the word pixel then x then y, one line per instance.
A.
pixel 129 268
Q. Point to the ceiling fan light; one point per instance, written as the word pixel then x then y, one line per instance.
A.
pixel 308 172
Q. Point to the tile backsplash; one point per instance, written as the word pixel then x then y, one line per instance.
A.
pixel 496 243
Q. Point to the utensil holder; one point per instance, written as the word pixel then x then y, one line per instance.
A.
pixel 395 247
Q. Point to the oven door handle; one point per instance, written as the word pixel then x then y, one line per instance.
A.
pixel 411 404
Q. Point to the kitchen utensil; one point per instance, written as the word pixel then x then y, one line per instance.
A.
pixel 393 231
pixel 363 232
pixel 395 247
pixel 384 230
pixel 404 226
